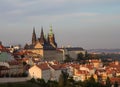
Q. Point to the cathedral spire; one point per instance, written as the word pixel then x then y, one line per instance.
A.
pixel 33 37
pixel 51 31
pixel 42 38
pixel 42 33
pixel 51 38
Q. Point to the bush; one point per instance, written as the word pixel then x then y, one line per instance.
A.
pixel 32 80
pixel 24 74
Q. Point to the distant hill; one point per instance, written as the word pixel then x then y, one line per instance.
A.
pixel 104 50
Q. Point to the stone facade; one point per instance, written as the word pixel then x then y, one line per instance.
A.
pixel 46 47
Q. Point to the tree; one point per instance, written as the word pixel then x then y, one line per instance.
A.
pixel 41 82
pixel 86 55
pixel 52 84
pixel 24 63
pixel 61 81
pixel 24 74
pixel 90 82
pixel 70 82
pixel 116 84
pixel 32 80
pixel 80 56
pixel 63 78
pixel 108 82
pixel 67 58
pixel 78 84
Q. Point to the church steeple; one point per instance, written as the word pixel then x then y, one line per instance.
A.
pixel 33 37
pixel 51 38
pixel 42 33
pixel 51 31
pixel 42 38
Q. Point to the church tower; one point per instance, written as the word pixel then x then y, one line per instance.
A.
pixel 33 37
pixel 42 38
pixel 51 38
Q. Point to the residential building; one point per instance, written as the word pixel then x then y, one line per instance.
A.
pixel 55 72
pixel 40 71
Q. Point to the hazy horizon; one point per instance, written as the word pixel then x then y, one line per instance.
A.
pixel 85 23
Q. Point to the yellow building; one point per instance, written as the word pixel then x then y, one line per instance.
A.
pixel 41 71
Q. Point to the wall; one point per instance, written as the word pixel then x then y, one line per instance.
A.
pixel 35 72
pixel 53 55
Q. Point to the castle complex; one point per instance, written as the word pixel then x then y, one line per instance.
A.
pixel 45 46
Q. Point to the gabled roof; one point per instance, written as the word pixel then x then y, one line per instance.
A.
pixel 82 72
pixel 3 49
pixel 14 62
pixel 4 68
pixel 43 66
pixel 56 67
pixel 115 79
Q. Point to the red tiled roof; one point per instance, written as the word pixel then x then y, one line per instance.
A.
pixel 25 59
pixel 90 66
pixel 113 80
pixel 95 61
pixel 3 68
pixel 43 66
pixel 82 72
pixel 56 67
pixel 23 52
pixel 14 62
pixel 77 66
pixel 55 62
pixel 3 49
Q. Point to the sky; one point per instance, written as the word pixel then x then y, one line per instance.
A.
pixel 78 23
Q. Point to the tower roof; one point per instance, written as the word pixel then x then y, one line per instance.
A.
pixel 42 33
pixel 33 29
pixel 33 36
pixel 51 31
pixel 42 38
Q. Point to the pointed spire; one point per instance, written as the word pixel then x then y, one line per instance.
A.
pixel 51 38
pixel 42 38
pixel 51 27
pixel 42 34
pixel 45 36
pixel 34 30
pixel 51 31
pixel 33 37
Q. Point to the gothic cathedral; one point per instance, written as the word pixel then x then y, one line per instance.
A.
pixel 45 46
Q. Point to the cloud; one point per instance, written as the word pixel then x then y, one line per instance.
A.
pixel 60 16
pixel 47 3
pixel 20 3
pixel 50 10
pixel 81 17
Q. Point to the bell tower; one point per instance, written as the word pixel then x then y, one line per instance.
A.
pixel 51 37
